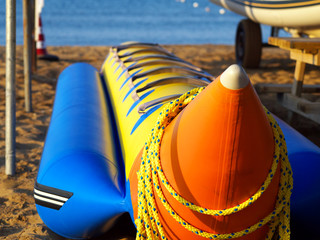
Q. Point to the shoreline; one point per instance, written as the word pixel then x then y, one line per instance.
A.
pixel 18 216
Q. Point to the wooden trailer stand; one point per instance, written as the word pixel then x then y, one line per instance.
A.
pixel 302 50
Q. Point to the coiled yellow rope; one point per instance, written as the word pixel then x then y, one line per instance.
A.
pixel 150 174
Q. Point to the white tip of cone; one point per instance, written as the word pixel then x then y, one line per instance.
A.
pixel 234 77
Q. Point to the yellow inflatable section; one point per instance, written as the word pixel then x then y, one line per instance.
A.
pixel 141 78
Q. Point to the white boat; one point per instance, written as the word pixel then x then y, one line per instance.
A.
pixel 298 17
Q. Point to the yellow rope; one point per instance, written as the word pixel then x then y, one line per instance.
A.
pixel 150 174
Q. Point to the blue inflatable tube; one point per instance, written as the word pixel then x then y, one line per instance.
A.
pixel 80 187
pixel 304 157
pixel 81 190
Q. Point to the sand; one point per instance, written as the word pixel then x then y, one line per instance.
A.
pixel 18 215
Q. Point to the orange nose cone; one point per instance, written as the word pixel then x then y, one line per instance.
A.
pixel 216 153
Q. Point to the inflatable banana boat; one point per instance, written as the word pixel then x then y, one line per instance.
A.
pixel 187 155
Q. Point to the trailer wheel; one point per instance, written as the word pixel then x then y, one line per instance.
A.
pixel 248 44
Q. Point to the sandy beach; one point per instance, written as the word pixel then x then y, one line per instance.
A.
pixel 18 215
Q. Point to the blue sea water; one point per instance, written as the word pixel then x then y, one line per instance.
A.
pixel 110 22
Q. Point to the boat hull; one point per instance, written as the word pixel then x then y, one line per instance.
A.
pixel 300 15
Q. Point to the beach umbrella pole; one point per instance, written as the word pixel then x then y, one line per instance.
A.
pixel 33 40
pixel 10 86
pixel 27 39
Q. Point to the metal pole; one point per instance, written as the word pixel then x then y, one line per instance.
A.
pixel 10 86
pixel 33 49
pixel 27 38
